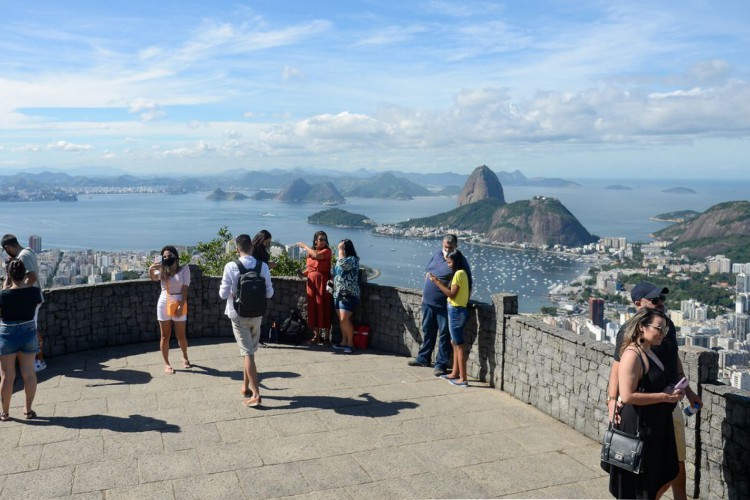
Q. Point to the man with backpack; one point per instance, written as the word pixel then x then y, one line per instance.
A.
pixel 246 286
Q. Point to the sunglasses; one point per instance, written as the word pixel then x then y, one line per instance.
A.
pixel 663 329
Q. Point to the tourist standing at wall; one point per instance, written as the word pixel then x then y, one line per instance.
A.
pixel 435 309
pixel 261 245
pixel 319 300
pixel 346 292
pixel 18 338
pixel 458 314
pixel 28 257
pixel 649 296
pixel 171 307
pixel 647 402
pixel 246 329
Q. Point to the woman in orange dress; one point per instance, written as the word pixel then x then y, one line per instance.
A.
pixel 319 300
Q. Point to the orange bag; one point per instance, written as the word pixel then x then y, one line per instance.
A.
pixel 172 305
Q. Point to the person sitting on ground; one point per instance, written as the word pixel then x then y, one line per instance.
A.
pixel 458 314
pixel 346 292
pixel 18 338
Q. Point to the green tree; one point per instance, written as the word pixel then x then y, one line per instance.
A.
pixel 549 310
pixel 213 255
pixel 287 266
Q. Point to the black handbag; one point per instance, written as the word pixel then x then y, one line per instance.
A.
pixel 622 449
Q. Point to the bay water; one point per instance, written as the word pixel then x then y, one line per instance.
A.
pixel 148 221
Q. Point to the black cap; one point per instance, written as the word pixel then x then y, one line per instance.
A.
pixel 646 290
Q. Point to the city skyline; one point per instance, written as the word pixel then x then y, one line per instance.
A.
pixel 594 89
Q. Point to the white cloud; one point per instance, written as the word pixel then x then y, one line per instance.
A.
pixel 69 147
pixel 232 134
pixel 391 35
pixel 147 108
pixel 290 73
pixel 198 149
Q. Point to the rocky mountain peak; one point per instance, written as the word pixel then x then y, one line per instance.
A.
pixel 482 184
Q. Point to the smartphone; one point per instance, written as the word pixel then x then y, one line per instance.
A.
pixel 681 384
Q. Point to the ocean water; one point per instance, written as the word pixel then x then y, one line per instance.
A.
pixel 149 221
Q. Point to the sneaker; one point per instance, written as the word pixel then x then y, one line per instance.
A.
pixel 414 362
pixel 338 347
pixel 457 383
pixel 439 372
pixel 39 365
pixel 348 350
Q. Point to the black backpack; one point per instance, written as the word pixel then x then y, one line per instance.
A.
pixel 250 300
pixel 293 328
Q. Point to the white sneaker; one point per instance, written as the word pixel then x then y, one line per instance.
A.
pixel 39 365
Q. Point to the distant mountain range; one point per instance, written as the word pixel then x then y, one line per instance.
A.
pixel 360 183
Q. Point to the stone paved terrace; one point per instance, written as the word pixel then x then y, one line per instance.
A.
pixel 112 425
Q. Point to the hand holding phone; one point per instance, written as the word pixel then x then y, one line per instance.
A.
pixel 682 384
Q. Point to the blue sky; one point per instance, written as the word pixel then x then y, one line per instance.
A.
pixel 553 88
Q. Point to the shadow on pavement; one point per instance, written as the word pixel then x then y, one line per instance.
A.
pixel 346 406
pixel 133 423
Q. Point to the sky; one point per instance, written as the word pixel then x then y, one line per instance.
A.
pixel 584 89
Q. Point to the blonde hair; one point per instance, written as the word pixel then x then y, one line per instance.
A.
pixel 633 328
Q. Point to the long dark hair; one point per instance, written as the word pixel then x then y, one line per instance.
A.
pixel 349 250
pixel 166 271
pixel 260 252
pixel 315 239
pixel 460 264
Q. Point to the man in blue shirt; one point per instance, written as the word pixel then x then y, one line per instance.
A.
pixel 435 310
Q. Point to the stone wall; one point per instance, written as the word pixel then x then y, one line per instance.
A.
pixel 560 373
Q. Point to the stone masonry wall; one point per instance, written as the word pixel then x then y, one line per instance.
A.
pixel 558 372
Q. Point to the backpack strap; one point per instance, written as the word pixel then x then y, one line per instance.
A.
pixel 242 268
pixel 258 266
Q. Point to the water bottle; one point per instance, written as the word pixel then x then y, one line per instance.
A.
pixel 689 411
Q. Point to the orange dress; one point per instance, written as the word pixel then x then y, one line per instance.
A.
pixel 319 301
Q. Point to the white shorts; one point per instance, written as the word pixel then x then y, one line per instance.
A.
pixel 161 308
pixel 247 334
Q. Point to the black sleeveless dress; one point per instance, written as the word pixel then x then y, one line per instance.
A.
pixel 659 449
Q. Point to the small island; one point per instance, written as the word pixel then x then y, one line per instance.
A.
pixel 619 187
pixel 676 217
pixel 341 218
pixel 679 190
pixel 220 195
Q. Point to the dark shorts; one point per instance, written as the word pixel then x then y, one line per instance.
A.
pixel 18 337
pixel 346 303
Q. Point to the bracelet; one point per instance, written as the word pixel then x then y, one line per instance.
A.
pixel 611 398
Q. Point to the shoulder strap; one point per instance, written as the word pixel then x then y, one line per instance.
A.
pixel 242 268
pixel 258 266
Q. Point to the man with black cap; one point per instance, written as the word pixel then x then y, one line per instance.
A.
pixel 646 294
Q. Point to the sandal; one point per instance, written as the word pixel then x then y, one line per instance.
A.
pixel 246 394
pixel 186 364
pixel 4 417
pixel 252 402
pixel 168 370
pixel 29 414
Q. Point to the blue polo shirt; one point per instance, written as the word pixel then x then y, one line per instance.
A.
pixel 431 294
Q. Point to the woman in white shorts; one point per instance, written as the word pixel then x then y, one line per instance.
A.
pixel 172 305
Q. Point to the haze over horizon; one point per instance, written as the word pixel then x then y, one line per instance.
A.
pixel 586 90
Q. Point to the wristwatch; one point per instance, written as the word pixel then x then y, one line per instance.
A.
pixel 611 398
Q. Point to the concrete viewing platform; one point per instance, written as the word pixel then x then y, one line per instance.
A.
pixel 112 425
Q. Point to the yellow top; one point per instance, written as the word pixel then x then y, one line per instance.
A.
pixel 462 297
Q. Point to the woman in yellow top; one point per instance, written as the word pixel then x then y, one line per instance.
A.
pixel 458 314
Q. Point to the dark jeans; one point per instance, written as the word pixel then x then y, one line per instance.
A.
pixel 435 327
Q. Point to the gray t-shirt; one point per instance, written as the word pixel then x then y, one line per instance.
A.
pixel 28 257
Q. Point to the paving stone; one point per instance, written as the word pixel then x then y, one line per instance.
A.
pixel 72 452
pixel 45 483
pixel 228 457
pixel 173 465
pixel 163 490
pixel 225 485
pixel 20 459
pixel 286 449
pixel 332 472
pixel 191 437
pixel 273 481
pixel 386 463
pixel 105 474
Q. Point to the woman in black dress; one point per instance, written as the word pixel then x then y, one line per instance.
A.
pixel 648 401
